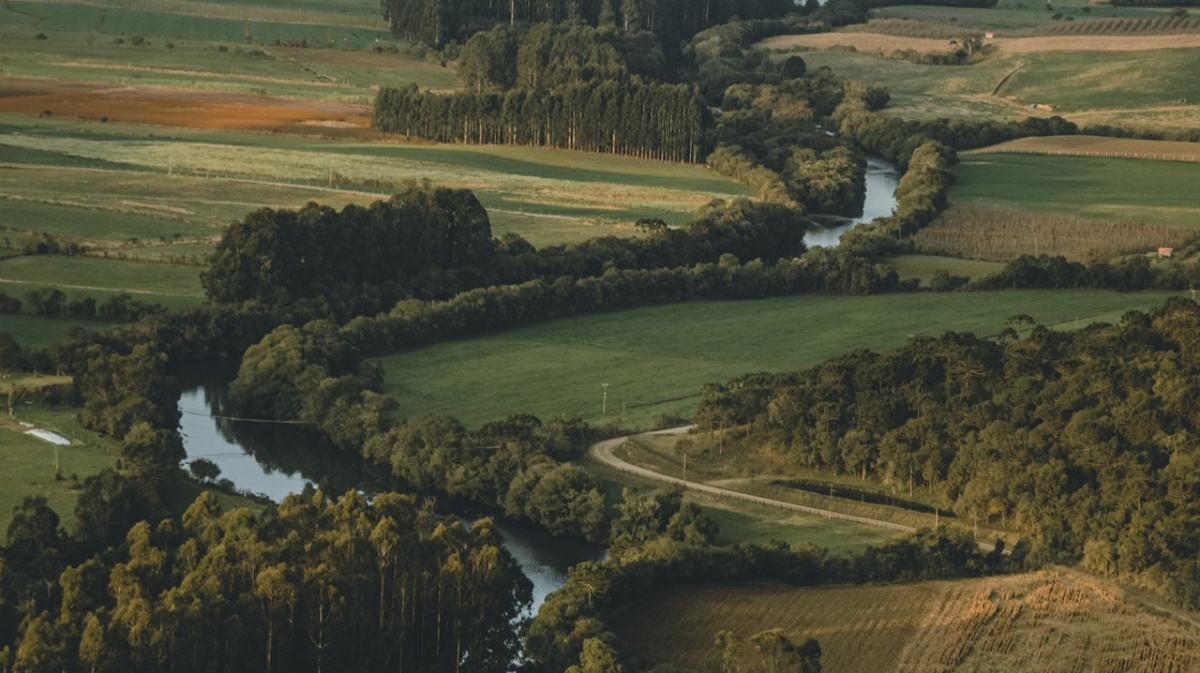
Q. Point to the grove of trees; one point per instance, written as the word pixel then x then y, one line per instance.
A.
pixel 1083 441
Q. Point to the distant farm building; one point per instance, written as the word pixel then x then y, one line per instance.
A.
pixel 1165 252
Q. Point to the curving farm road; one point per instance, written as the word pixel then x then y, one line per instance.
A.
pixel 602 452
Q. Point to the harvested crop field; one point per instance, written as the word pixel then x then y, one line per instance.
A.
pixel 1049 621
pixel 183 107
pixel 1097 146
pixel 999 234
pixel 875 42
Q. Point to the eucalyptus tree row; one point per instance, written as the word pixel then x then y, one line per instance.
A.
pixel 635 118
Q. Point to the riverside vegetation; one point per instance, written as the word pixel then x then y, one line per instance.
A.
pixel 146 580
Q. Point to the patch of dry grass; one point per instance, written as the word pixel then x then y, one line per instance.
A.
pixel 1050 622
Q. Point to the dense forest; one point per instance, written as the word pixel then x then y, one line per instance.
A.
pixel 670 21
pixel 650 121
pixel 315 584
pixel 1083 441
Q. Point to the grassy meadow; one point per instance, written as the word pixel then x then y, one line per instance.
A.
pixel 1053 620
pixel 150 204
pixel 27 463
pixel 38 332
pixel 1117 190
pixel 1074 74
pixel 656 359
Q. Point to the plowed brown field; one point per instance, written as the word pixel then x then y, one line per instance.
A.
pixel 212 110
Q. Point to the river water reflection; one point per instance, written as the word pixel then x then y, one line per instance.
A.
pixel 275 460
pixel 882 178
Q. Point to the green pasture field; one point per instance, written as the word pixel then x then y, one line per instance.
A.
pixel 922 267
pixel 1079 81
pixel 544 230
pixel 27 463
pixel 926 91
pixel 156 283
pixel 52 17
pixel 33 381
pixel 1122 190
pixel 89 224
pixel 38 332
pixel 1007 15
pixel 280 51
pixel 315 74
pixel 656 359
pixel 1087 87
pixel 234 173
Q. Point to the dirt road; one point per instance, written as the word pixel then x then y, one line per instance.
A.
pixel 602 452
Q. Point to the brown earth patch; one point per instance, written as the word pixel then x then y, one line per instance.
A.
pixel 213 110
pixel 875 42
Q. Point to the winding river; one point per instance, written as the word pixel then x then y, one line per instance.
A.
pixel 882 178
pixel 276 460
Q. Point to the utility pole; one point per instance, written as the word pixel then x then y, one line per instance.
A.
pixel 604 404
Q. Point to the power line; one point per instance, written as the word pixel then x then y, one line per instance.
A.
pixel 245 420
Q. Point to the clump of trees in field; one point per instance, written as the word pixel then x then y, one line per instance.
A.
pixel 1082 441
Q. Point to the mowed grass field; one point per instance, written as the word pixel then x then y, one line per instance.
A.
pixel 288 170
pixel 656 359
pixel 1051 621
pixel 37 332
pixel 1118 190
pixel 27 463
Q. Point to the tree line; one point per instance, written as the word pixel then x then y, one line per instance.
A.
pixel 52 302
pixel 1080 440
pixel 670 21
pixel 435 243
pixel 653 121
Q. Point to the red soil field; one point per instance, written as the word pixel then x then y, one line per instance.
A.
pixel 213 110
